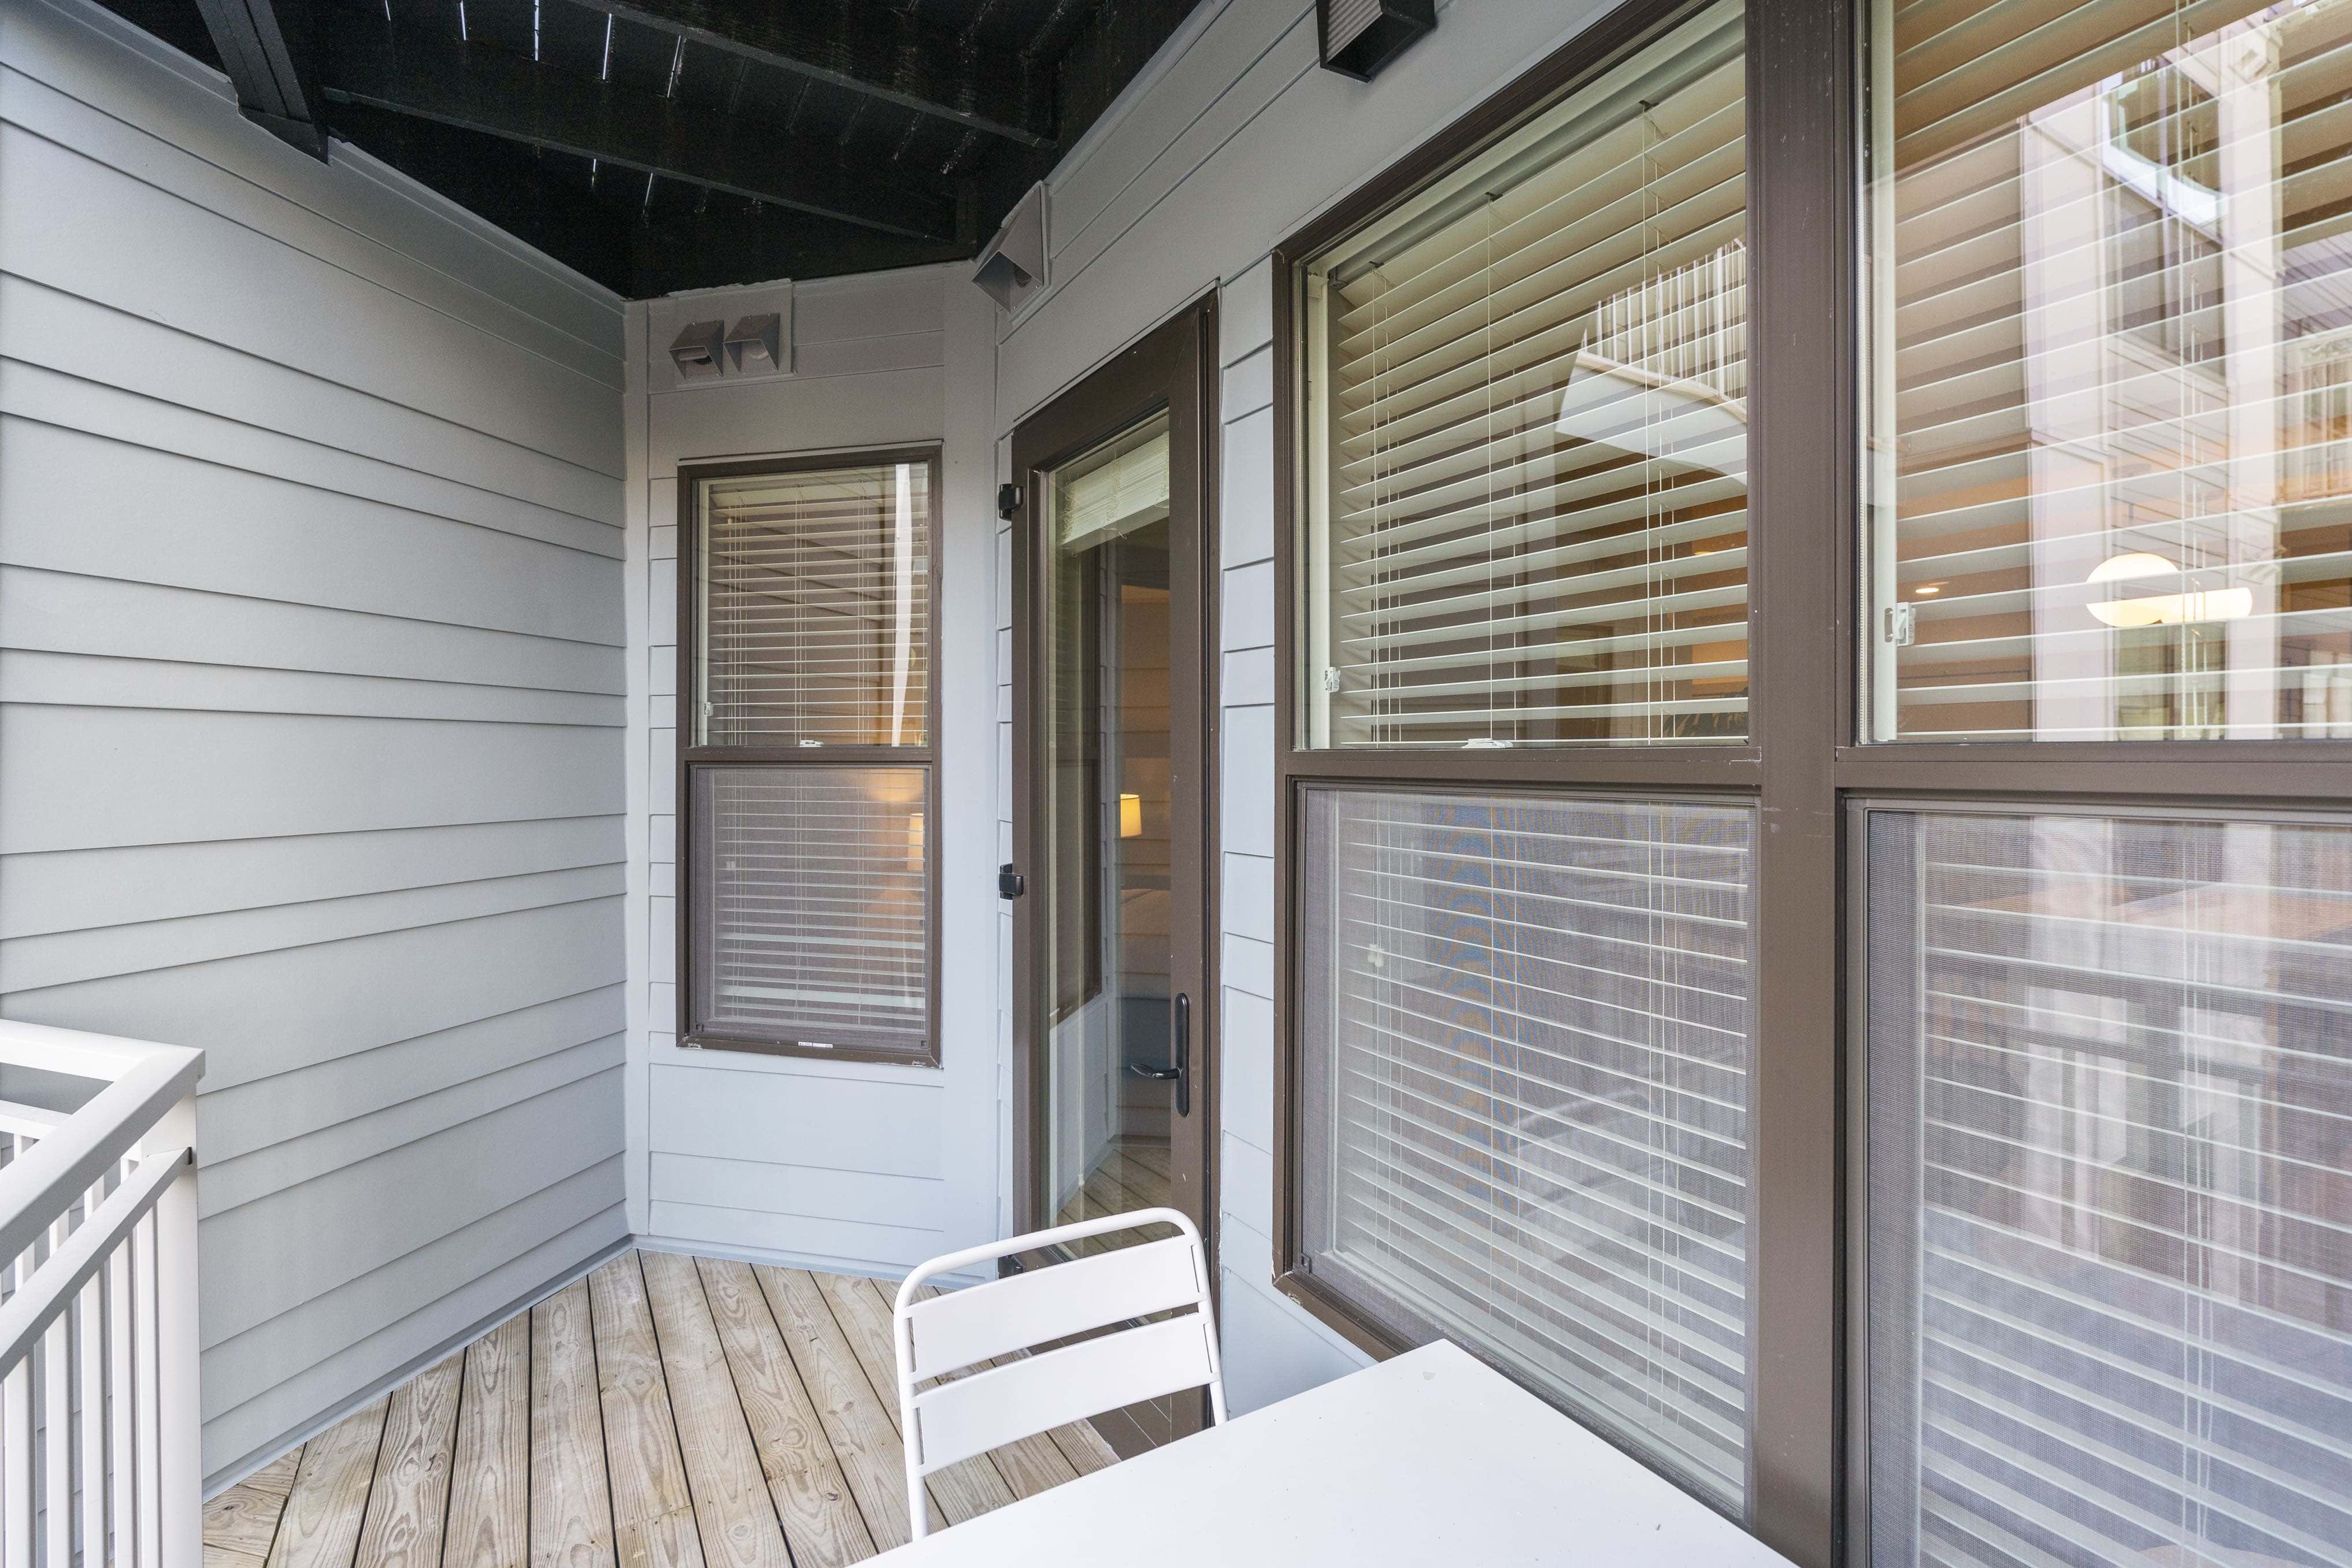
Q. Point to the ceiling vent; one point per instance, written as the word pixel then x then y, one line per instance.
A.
pixel 1359 38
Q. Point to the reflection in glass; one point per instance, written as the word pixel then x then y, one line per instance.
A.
pixel 813 907
pixel 1105 652
pixel 1527 431
pixel 1525 1027
pixel 2111 449
pixel 814 607
pixel 2111 1191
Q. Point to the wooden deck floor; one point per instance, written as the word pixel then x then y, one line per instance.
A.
pixel 666 1412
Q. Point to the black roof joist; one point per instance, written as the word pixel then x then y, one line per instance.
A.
pixel 268 47
pixel 875 52
pixel 504 95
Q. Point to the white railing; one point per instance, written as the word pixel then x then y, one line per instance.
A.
pixel 100 1425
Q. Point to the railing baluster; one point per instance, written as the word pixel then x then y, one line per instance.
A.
pixel 144 1345
pixel 119 1400
pixel 56 1422
pixel 91 1472
pixel 16 1477
pixel 57 1446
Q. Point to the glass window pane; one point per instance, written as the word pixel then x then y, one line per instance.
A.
pixel 812 897
pixel 1525 1027
pixel 2110 1102
pixel 814 607
pixel 1108 846
pixel 2110 470
pixel 1527 431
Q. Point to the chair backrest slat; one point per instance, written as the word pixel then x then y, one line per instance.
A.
pixel 1127 1362
pixel 988 1409
pixel 955 1330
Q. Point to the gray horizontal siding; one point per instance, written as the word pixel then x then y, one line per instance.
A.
pixel 312 690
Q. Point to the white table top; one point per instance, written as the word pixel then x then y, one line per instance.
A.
pixel 1428 1458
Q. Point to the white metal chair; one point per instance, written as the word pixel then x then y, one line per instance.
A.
pixel 945 1334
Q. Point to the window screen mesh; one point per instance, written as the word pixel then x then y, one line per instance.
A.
pixel 2112 453
pixel 1528 430
pixel 1526 1029
pixel 2111 1191
pixel 815 608
pixel 813 906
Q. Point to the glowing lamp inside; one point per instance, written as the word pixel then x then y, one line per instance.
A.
pixel 1130 816
pixel 2162 609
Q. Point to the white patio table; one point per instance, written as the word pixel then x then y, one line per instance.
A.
pixel 1430 1459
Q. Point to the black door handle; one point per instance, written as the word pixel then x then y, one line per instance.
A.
pixel 1181 1073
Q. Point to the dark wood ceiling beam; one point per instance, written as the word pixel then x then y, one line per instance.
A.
pixel 874 51
pixel 268 47
pixel 486 90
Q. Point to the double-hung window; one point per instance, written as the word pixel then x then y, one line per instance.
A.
pixel 2107 1053
pixel 807 779
pixel 1522 1007
pixel 1817 767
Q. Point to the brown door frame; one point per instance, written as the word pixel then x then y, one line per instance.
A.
pixel 1175 367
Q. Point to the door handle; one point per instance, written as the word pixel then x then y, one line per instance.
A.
pixel 1181 1072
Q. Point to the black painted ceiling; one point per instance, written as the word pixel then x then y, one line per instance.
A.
pixel 658 145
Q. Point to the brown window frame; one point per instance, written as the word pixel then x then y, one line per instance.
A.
pixel 925 758
pixel 1805 764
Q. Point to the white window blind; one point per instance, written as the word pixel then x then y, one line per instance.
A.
pixel 813 925
pixel 1525 1027
pixel 2111 472
pixel 2111 1191
pixel 1527 429
pixel 816 607
pixel 1110 494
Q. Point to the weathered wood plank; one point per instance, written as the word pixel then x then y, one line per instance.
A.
pixel 321 1526
pixel 244 1520
pixel 652 1510
pixel 489 1487
pixel 738 1523
pixel 571 1509
pixel 964 1490
pixel 1029 1465
pixel 857 1420
pixel 409 1504
pixel 819 1517
pixel 277 1477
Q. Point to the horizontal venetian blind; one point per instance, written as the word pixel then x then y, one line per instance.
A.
pixel 1524 1024
pixel 1529 429
pixel 2111 1235
pixel 811 924
pixel 816 607
pixel 1109 494
pixel 2113 477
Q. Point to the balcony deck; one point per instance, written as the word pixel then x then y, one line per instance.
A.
pixel 666 1412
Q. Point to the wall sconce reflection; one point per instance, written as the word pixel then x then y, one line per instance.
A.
pixel 2162 609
